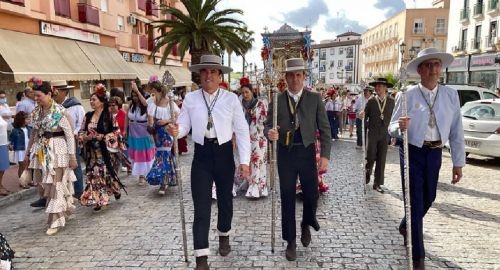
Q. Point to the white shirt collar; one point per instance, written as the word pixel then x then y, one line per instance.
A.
pixel 433 91
pixel 210 95
pixel 295 96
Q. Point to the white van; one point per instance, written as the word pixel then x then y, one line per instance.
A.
pixel 468 93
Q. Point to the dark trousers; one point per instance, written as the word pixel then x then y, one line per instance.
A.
pixel 425 164
pixel 376 153
pixel 211 162
pixel 78 184
pixel 359 132
pixel 334 126
pixel 300 162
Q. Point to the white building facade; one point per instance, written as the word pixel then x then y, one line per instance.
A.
pixel 473 39
pixel 336 62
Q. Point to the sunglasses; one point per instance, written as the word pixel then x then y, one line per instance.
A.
pixel 430 65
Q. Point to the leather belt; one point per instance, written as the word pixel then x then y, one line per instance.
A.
pixel 433 144
pixel 138 121
pixel 211 140
pixel 48 134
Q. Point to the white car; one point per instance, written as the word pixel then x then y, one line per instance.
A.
pixel 481 122
pixel 468 93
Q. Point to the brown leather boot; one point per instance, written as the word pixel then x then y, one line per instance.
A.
pixel 201 263
pixel 224 247
pixel 291 251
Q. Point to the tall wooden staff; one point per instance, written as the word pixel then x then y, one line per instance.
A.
pixel 169 81
pixel 273 169
pixel 363 143
pixel 406 171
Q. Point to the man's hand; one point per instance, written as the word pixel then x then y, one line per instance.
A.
pixel 361 115
pixel 72 163
pixel 404 123
pixel 173 129
pixel 273 134
pixel 323 164
pixel 244 171
pixel 456 175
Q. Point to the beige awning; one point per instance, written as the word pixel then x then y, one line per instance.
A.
pixel 108 62
pixel 143 71
pixel 44 57
pixel 181 75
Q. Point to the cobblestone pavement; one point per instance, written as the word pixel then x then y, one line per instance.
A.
pixel 142 230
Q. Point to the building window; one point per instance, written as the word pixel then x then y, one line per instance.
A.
pixel 331 75
pixel 341 51
pixel 440 26
pixel 418 26
pixel 476 43
pixel 340 63
pixel 121 25
pixel 104 5
pixel 332 51
pixel 416 44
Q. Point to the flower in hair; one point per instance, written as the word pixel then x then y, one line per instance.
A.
pixel 35 82
pixel 100 90
pixel 153 78
pixel 244 81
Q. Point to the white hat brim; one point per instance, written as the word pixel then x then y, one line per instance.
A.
pixel 196 68
pixel 446 60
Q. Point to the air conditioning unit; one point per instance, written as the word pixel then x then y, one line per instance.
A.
pixel 131 20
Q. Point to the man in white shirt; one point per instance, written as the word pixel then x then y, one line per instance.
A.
pixel 214 115
pixel 27 104
pixel 433 119
pixel 76 114
pixel 359 107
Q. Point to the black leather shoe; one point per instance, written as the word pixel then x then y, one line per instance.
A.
pixel 418 263
pixel 291 251
pixel 118 196
pixel 305 238
pixel 378 188
pixel 315 225
pixel 402 231
pixel 42 202
pixel 201 263
pixel 224 247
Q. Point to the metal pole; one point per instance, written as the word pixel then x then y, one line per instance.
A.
pixel 169 82
pixel 363 144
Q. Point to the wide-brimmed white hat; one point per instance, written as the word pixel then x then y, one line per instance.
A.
pixel 61 85
pixel 295 64
pixel 210 61
pixel 426 54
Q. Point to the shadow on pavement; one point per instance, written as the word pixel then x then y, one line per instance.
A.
pixel 474 193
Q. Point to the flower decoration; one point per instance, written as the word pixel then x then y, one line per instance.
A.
pixel 154 82
pixel 281 84
pixel 35 82
pixel 224 85
pixel 100 90
pixel 244 81
pixel 264 53
pixel 153 78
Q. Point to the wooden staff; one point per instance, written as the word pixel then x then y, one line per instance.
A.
pixel 273 169
pixel 169 81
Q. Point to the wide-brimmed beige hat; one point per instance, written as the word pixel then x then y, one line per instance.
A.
pixel 295 64
pixel 210 61
pixel 61 85
pixel 426 54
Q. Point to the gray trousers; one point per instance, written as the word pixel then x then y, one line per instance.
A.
pixel 376 153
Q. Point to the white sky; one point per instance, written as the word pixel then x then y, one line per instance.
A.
pixel 271 13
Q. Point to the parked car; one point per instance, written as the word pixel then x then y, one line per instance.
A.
pixel 481 122
pixel 468 93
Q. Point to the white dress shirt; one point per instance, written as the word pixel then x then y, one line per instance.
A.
pixel 227 115
pixel 76 114
pixel 432 133
pixel 329 105
pixel 295 97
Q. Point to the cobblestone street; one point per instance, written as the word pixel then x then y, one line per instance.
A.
pixel 142 230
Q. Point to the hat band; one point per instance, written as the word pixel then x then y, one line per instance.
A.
pixel 215 63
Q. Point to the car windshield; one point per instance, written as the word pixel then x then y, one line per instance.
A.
pixel 481 111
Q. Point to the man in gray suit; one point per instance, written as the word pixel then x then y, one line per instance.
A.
pixel 300 114
pixel 378 113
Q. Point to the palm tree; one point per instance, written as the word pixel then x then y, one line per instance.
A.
pixel 199 31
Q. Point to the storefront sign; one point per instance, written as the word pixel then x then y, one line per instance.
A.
pixel 458 64
pixel 51 29
pixel 482 60
pixel 137 58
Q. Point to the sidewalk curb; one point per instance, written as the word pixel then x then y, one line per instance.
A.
pixel 17 196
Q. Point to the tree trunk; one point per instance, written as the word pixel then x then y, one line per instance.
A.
pixel 195 59
pixel 229 74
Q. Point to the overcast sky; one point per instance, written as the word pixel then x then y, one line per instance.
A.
pixel 325 18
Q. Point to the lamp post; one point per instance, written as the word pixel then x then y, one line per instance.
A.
pixel 402 48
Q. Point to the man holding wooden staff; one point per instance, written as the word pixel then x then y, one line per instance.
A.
pixel 433 119
pixel 300 114
pixel 214 115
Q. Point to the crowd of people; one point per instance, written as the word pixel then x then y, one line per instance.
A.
pixel 232 134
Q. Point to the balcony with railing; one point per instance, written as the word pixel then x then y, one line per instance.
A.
pixel 322 69
pixel 151 8
pixel 493 7
pixel 16 2
pixel 88 14
pixel 475 45
pixel 418 31
pixel 489 43
pixel 440 30
pixel 478 11
pixel 464 15
pixel 322 56
pixel 62 8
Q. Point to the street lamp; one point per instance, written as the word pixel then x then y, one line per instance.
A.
pixel 402 48
pixel 412 52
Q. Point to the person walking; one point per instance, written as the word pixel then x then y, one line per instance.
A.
pixel 377 112
pixel 51 155
pixel 76 112
pixel 213 115
pixel 19 138
pixel 359 107
pixel 300 114
pixel 433 119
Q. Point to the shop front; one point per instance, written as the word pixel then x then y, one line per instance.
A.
pixel 456 73
pixel 484 71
